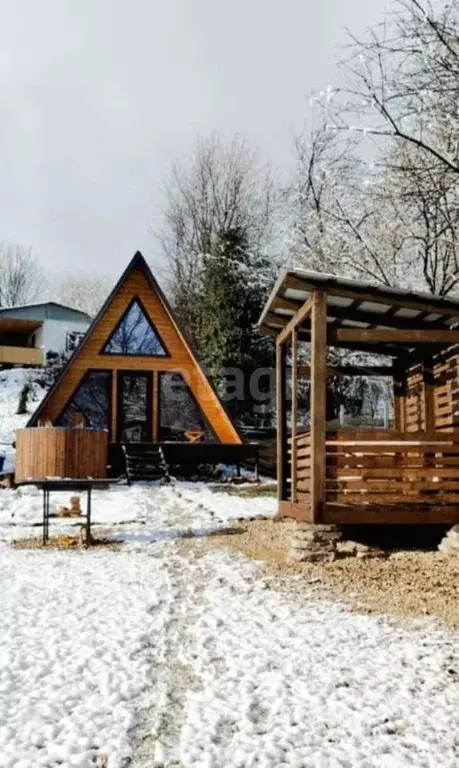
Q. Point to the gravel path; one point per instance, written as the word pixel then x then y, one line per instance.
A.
pixel 408 584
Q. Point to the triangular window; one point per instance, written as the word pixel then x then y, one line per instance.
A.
pixel 135 334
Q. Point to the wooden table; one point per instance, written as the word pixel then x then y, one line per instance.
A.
pixel 48 485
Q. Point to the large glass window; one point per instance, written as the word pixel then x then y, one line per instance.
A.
pixel 89 404
pixel 135 334
pixel 180 417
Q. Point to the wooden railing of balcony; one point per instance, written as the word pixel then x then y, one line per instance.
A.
pixel 21 355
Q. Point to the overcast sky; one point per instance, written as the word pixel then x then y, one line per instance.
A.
pixel 99 96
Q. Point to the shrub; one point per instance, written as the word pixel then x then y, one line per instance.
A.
pixel 24 398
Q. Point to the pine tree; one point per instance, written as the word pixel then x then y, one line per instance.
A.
pixel 234 285
pixel 217 234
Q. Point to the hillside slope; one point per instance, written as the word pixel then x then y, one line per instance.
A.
pixel 11 383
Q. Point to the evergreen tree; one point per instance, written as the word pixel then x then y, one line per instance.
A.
pixel 217 238
pixel 234 285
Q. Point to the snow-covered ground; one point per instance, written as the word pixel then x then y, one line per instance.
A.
pixel 147 656
pixel 151 655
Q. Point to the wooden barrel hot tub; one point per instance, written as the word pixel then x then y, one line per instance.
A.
pixel 60 452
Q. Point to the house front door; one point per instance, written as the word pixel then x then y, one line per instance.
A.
pixel 134 420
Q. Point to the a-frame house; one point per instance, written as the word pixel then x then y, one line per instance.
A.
pixel 136 375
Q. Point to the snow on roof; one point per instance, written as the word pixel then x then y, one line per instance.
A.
pixel 357 304
pixel 331 282
pixel 35 305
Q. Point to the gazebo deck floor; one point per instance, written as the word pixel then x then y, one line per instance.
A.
pixel 369 514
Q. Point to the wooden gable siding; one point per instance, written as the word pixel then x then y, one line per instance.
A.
pixel 180 357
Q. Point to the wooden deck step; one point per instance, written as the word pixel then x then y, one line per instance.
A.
pixel 144 462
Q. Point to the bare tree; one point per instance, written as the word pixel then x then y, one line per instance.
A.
pixel 403 81
pixel 398 224
pixel 393 221
pixel 401 100
pixel 220 189
pixel 339 222
pixel 21 277
pixel 322 166
pixel 420 197
pixel 83 292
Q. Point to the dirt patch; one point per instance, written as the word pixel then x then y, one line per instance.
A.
pixel 248 491
pixel 408 583
pixel 257 539
pixel 62 542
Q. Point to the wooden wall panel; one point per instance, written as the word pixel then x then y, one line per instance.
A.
pixel 47 452
pixel 445 393
pixel 414 403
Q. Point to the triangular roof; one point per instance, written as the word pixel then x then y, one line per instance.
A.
pixel 137 281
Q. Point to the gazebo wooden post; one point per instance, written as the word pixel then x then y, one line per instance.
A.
pixel 318 399
pixel 281 417
pixel 399 374
pixel 294 415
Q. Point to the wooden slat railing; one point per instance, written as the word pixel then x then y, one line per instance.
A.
pixel 384 467
pixel 392 467
pixel 303 467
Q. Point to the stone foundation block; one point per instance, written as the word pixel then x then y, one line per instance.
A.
pixel 346 548
pixel 312 534
pixel 304 556
pixel 304 526
pixel 449 545
pixel 313 546
pixel 364 552
pixel 325 543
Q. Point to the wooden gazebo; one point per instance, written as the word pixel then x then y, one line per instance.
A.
pixel 407 474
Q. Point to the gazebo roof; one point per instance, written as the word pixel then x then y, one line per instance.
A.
pixel 352 304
